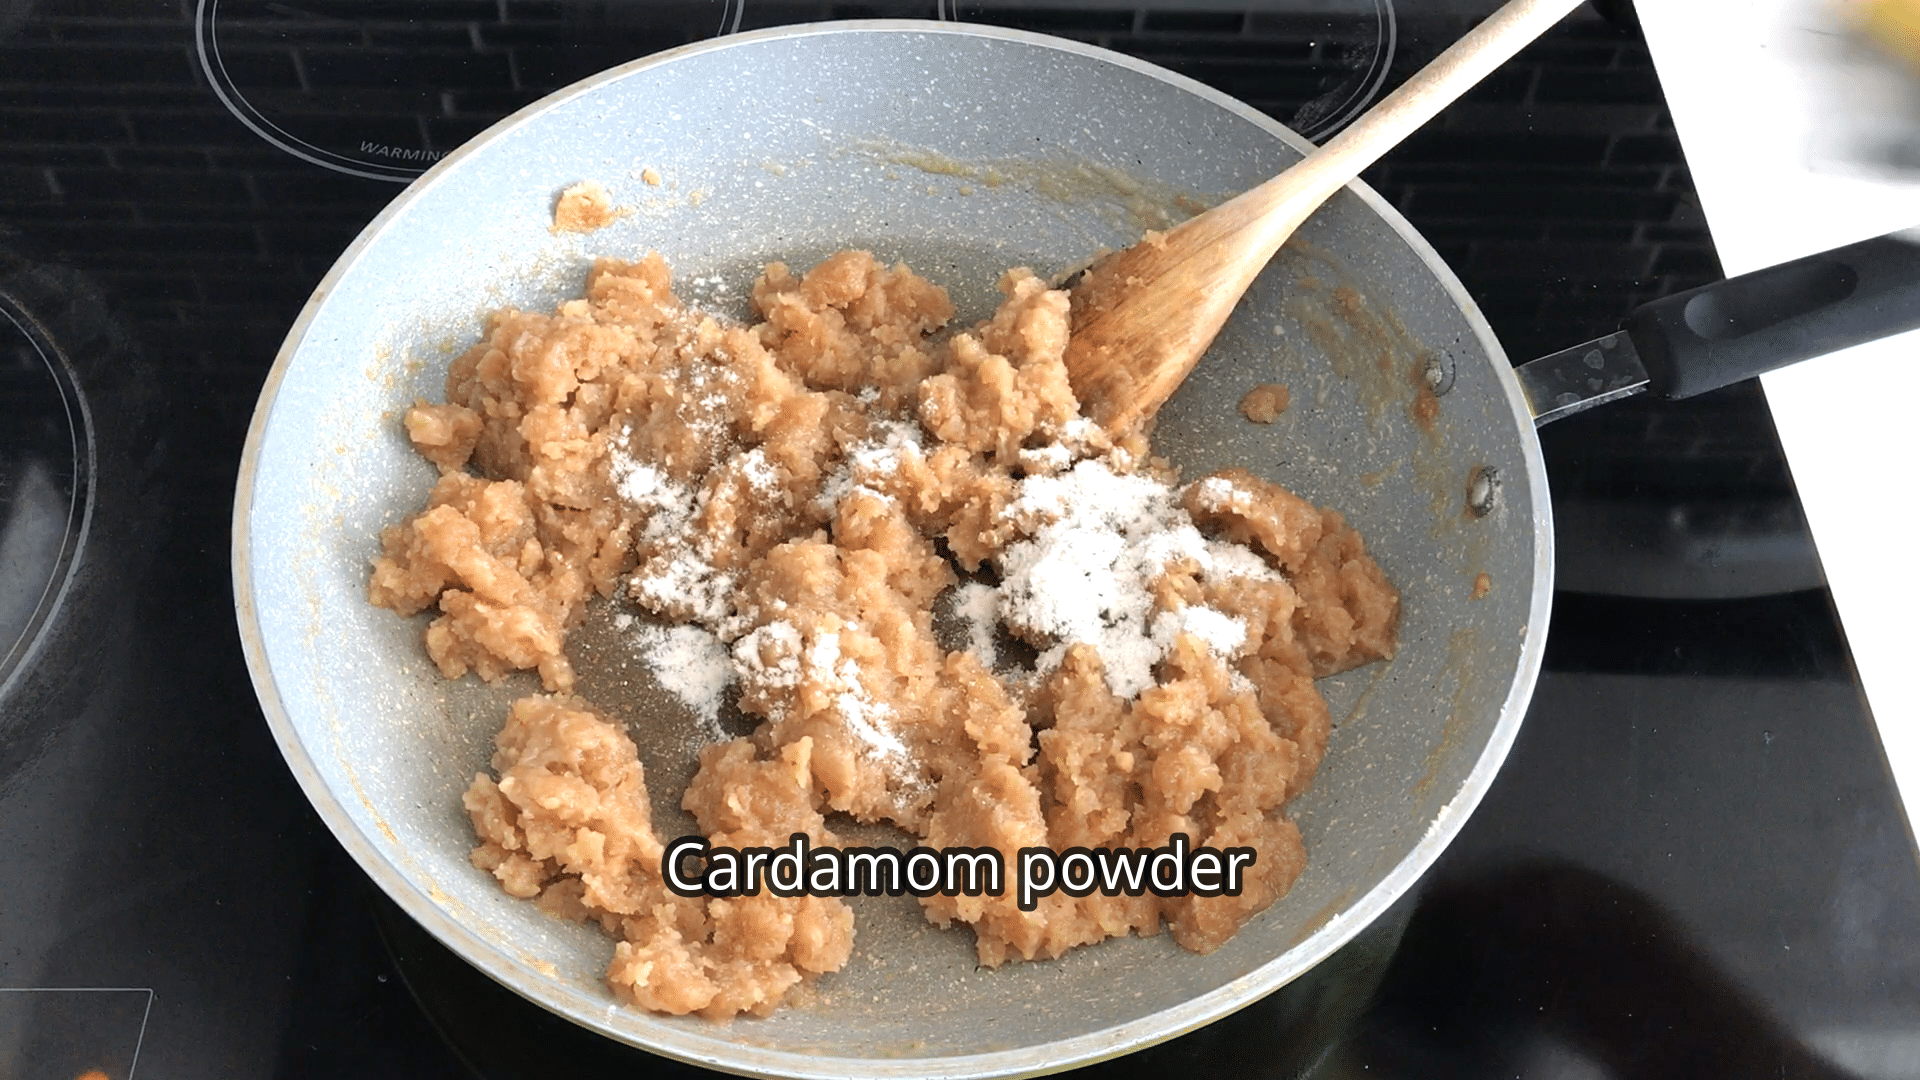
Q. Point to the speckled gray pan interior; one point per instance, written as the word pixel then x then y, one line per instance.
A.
pixel 961 150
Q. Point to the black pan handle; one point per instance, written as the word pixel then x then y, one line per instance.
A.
pixel 1719 334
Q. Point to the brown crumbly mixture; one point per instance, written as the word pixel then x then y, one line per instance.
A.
pixel 1263 404
pixel 567 826
pixel 584 207
pixel 789 486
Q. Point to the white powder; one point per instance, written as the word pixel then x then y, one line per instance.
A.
pixel 1083 438
pixel 838 485
pixel 979 606
pixel 761 474
pixel 864 717
pixel 1046 460
pixel 690 580
pixel 773 655
pixel 651 489
pixel 1078 429
pixel 881 451
pixel 770 654
pixel 1223 633
pixel 823 664
pixel 871 460
pixel 1218 493
pixel 677 573
pixel 1096 540
pixel 691 664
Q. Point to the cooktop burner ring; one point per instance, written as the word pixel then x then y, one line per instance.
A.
pixel 384 96
pixel 1316 121
pixel 299 40
pixel 46 488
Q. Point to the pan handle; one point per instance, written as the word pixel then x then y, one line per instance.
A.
pixel 1719 334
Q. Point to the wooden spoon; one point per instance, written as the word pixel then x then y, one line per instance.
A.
pixel 1142 317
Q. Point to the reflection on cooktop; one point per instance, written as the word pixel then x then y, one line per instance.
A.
pixel 42 486
pixel 384 88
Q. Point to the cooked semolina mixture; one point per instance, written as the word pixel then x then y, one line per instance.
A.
pixel 799 493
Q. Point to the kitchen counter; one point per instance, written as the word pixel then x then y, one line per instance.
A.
pixel 1782 117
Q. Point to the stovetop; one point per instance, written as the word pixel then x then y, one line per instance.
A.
pixel 1693 863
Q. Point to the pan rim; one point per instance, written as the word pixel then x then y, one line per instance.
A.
pixel 747 1059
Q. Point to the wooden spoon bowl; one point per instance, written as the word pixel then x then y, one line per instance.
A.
pixel 1142 317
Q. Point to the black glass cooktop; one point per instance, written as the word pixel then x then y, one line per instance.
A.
pixel 43 476
pixel 1693 864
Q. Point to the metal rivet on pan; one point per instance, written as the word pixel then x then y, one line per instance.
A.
pixel 1439 373
pixel 1483 489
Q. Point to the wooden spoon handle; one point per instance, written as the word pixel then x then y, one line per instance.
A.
pixel 1143 316
pixel 1461 67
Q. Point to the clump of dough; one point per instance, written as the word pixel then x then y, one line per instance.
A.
pixel 1264 403
pixel 584 207
pixel 566 825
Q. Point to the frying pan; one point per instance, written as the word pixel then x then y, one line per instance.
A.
pixel 961 150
